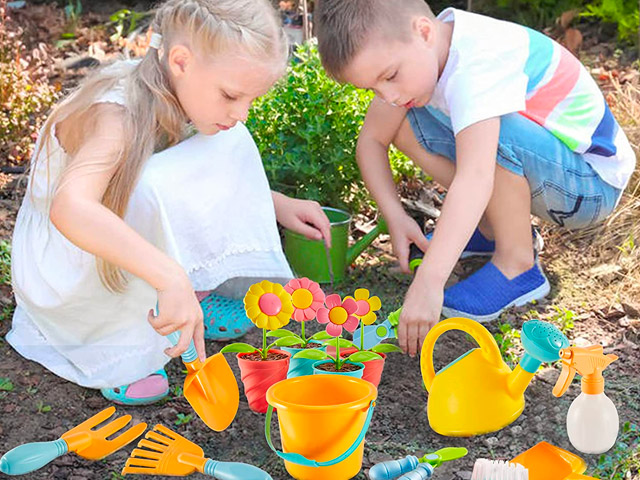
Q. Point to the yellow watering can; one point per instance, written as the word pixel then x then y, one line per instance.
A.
pixel 478 393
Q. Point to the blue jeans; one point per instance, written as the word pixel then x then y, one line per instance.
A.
pixel 565 189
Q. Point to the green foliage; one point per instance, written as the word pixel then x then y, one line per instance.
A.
pixel 183 419
pixel 564 319
pixel 72 12
pixel 536 14
pixel 507 340
pixel 5 262
pixel 629 245
pixel 25 94
pixel 624 13
pixel 6 385
pixel 115 476
pixel 623 461
pixel 306 129
pixel 125 22
pixel 42 408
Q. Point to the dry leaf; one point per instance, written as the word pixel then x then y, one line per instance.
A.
pixel 573 39
pixel 567 17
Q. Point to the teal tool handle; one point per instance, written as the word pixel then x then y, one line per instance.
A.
pixel 304 461
pixel 190 354
pixel 31 456
pixel 421 472
pixel 234 471
pixel 393 468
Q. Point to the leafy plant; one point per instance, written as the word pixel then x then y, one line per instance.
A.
pixel 72 12
pixel 125 22
pixel 306 129
pixel 6 385
pixel 624 13
pixel 629 245
pixel 183 419
pixel 623 461
pixel 42 408
pixel 533 13
pixel 507 340
pixel 25 94
pixel 564 318
pixel 5 262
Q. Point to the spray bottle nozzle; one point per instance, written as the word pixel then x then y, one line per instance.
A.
pixel 588 362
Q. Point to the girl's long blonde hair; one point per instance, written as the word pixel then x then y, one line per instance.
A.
pixel 154 118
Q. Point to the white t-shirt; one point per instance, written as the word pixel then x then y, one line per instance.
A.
pixel 497 67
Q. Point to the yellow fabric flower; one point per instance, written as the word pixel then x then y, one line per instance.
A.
pixel 268 305
pixel 366 306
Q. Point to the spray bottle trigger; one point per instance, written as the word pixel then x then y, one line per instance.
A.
pixel 566 375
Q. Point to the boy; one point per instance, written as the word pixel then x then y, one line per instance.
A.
pixel 505 118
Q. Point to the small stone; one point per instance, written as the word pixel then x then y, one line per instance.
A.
pixel 491 441
pixel 624 322
pixel 516 431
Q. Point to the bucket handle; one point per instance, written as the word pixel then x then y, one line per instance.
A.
pixel 299 459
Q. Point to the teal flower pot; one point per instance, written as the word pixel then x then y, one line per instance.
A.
pixel 299 367
pixel 356 373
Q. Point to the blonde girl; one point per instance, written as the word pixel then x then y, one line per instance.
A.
pixel 126 208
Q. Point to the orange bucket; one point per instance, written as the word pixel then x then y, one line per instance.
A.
pixel 323 420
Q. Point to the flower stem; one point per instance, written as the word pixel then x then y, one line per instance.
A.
pixel 361 335
pixel 304 339
pixel 338 354
pixel 264 344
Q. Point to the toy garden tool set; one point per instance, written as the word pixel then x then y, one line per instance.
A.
pixel 164 452
pixel 83 440
pixel 308 258
pixel 414 468
pixel 478 393
pixel 210 387
pixel 592 420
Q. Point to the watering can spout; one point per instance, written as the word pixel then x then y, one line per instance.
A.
pixel 356 249
pixel 519 380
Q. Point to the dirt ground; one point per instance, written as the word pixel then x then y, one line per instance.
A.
pixel 595 289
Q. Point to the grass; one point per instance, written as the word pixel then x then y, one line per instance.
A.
pixel 5 262
pixel 623 461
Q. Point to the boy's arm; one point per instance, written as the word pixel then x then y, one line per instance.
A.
pixel 465 203
pixel 372 153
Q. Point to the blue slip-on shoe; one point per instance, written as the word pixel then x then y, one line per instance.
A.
pixel 224 318
pixel 484 295
pixel 479 245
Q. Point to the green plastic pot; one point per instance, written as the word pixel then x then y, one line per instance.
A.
pixel 308 258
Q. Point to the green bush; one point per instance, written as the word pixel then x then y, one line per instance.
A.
pixel 306 129
pixel 624 13
pixel 25 94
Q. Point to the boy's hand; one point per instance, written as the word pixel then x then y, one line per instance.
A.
pixel 179 309
pixel 305 217
pixel 404 231
pixel 420 312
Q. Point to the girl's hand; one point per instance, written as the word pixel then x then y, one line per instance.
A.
pixel 305 217
pixel 404 231
pixel 420 312
pixel 179 309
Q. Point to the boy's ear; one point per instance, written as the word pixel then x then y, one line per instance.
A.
pixel 425 28
pixel 179 58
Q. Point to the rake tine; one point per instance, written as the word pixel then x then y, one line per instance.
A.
pixel 159 438
pixel 140 453
pixel 165 431
pixel 97 419
pixel 141 462
pixel 112 427
pixel 138 470
pixel 144 443
pixel 127 436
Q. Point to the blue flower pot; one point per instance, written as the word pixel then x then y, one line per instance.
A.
pixel 300 366
pixel 356 373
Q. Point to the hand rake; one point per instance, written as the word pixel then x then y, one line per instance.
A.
pixel 164 452
pixel 83 440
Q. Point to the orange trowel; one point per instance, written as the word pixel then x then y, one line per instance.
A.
pixel 548 462
pixel 210 387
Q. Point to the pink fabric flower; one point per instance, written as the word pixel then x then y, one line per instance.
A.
pixel 307 297
pixel 338 314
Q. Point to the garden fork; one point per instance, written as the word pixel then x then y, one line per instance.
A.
pixel 83 440
pixel 164 452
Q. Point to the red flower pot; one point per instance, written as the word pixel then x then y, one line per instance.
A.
pixel 258 376
pixel 372 369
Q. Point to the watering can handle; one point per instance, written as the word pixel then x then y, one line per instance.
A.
pixel 299 459
pixel 480 334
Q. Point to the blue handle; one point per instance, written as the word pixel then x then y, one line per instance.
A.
pixel 421 472
pixel 31 456
pixel 190 354
pixel 304 461
pixel 234 471
pixel 393 468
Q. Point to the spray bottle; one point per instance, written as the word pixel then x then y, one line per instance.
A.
pixel 592 420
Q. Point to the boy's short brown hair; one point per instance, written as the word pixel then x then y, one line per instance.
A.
pixel 343 26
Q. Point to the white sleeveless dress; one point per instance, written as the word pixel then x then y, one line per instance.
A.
pixel 205 202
